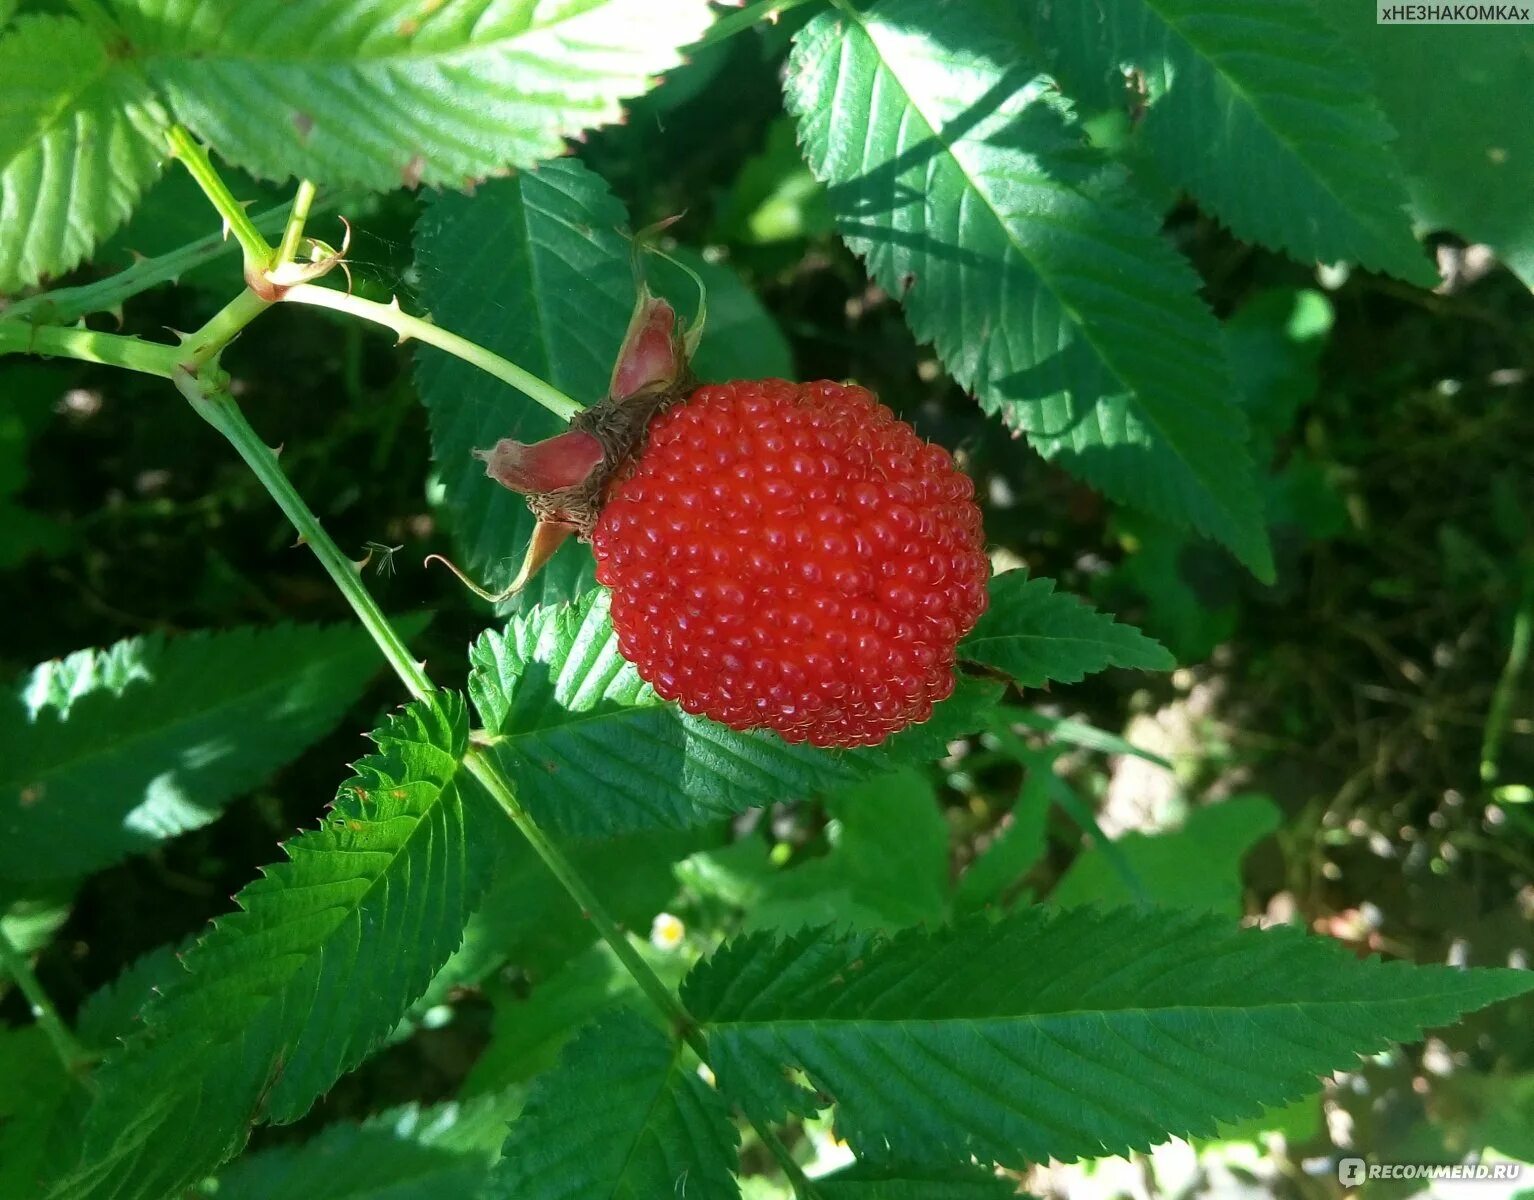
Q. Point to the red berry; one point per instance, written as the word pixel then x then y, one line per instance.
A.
pixel 793 556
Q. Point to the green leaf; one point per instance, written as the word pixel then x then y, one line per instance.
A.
pixel 381 94
pixel 1017 845
pixel 527 919
pixel 30 919
pixel 81 137
pixel 959 175
pixel 741 340
pixel 887 867
pixel 110 1014
pixel 1257 108
pixel 1193 598
pixel 316 967
pixel 536 269
pixel 1216 837
pixel 1274 341
pixel 864 1182
pixel 107 753
pixel 408 1153
pixel 40 1111
pixel 621 1115
pixel 1078 1034
pixel 1465 141
pixel 527 1032
pixel 773 197
pixel 1037 635
pixel 594 751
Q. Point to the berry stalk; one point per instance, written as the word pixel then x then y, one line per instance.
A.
pixel 390 316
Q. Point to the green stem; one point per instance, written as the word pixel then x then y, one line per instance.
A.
pixel 258 254
pixel 683 1022
pixel 405 326
pixel 293 232
pixel 64 306
pixel 1506 692
pixel 70 1052
pixel 207 342
pixel 500 789
pixel 111 349
pixel 212 402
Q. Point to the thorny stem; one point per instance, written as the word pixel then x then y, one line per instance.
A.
pixel 207 343
pixel 293 232
pixel 683 1022
pixel 405 326
pixel 65 305
pixel 86 345
pixel 193 369
pixel 258 254
pixel 70 1052
pixel 212 401
pixel 1507 683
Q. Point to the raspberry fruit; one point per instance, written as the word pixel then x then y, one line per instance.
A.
pixel 780 555
pixel 792 556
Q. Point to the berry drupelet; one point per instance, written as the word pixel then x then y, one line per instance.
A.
pixel 794 556
pixel 781 555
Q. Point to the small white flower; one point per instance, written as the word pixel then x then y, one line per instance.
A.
pixel 667 931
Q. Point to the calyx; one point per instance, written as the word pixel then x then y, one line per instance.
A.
pixel 565 477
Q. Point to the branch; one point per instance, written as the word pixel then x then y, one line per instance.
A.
pixel 64 306
pixel 1506 691
pixel 258 254
pixel 406 327
pixel 211 400
pixel 293 232
pixel 70 1052
pixel 112 349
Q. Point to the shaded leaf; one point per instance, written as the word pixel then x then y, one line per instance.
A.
pixel 1257 109
pixel 40 1112
pixel 1036 635
pixel 528 1032
pixel 1017 845
pixel 1083 1033
pixel 864 1182
pixel 535 268
pixel 109 752
pixel 887 866
pixel 1465 142
pixel 538 269
pixel 527 919
pixel 959 175
pixel 408 1153
pixel 621 1115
